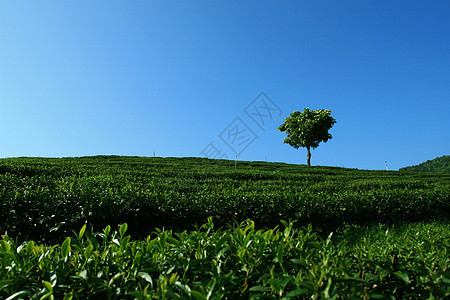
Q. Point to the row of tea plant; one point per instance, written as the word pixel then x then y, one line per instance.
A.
pixel 45 199
pixel 240 262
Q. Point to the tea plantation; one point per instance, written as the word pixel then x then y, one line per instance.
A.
pixel 110 227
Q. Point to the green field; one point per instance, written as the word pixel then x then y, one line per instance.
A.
pixel 199 228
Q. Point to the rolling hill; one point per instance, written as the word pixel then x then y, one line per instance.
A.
pixel 437 165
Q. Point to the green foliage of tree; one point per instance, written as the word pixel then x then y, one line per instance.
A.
pixel 437 165
pixel 307 129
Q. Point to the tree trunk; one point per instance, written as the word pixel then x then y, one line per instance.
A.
pixel 309 157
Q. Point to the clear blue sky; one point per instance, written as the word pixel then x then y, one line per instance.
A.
pixel 132 77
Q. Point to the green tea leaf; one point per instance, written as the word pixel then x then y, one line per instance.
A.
pixel 114 278
pixel 402 276
pixel 30 247
pixel 5 246
pixel 197 295
pixel 258 288
pixel 107 230
pixel 18 294
pixel 82 275
pixel 13 256
pixel 122 229
pixel 65 248
pixel 296 293
pixel 48 286
pixel 48 295
pixel 276 284
pixel 81 233
pixel 125 241
pixel 146 277
pixel 210 287
pixel 88 251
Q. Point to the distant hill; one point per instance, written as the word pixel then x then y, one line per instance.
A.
pixel 437 165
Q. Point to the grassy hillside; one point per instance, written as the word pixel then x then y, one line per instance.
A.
pixel 437 165
pixel 110 227
pixel 48 198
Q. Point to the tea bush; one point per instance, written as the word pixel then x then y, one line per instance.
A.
pixel 45 199
pixel 391 229
pixel 236 263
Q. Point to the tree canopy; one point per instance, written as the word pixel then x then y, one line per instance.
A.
pixel 307 129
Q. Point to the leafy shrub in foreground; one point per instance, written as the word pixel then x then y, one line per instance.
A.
pixel 239 262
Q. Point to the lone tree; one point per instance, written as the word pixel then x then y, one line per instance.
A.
pixel 307 129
